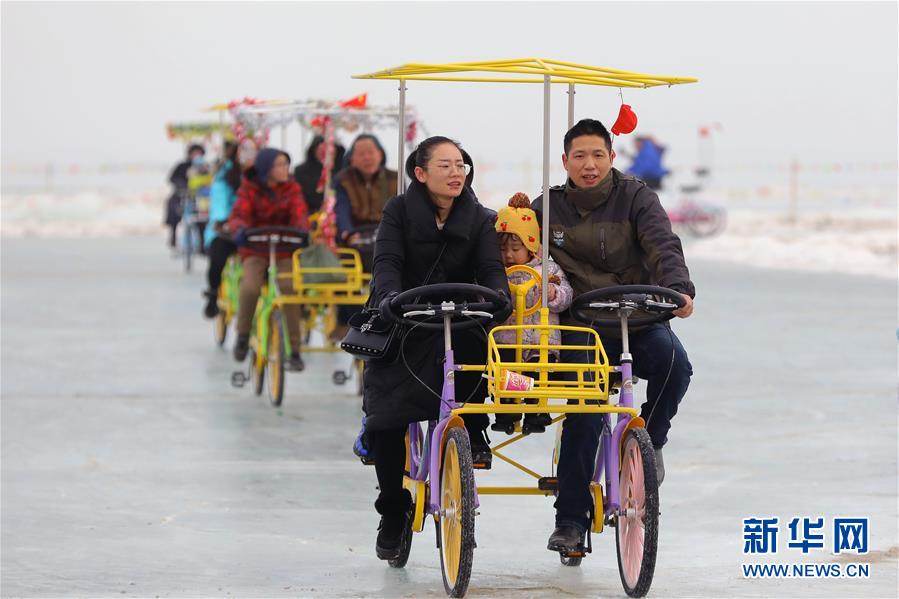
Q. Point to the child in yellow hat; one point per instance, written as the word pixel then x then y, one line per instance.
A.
pixel 519 240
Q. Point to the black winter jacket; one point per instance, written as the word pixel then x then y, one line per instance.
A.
pixel 407 246
pixel 625 240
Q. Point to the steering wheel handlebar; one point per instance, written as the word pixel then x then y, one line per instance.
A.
pixel 466 304
pixel 284 238
pixel 524 288
pixel 643 305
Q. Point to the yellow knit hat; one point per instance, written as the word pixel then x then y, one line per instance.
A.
pixel 519 219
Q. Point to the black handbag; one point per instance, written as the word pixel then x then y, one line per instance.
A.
pixel 374 338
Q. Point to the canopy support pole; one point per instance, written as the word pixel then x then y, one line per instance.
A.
pixel 400 166
pixel 545 223
pixel 571 93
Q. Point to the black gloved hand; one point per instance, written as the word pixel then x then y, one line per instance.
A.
pixel 384 305
pixel 505 309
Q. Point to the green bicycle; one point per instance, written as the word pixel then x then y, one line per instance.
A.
pixel 269 341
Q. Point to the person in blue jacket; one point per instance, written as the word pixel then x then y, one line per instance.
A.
pixel 217 238
pixel 647 165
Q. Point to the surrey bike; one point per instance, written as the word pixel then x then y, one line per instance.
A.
pixel 626 461
pixel 440 470
pixel 269 341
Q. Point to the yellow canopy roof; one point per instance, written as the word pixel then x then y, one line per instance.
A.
pixel 227 105
pixel 525 70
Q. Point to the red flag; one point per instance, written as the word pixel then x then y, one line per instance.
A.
pixel 358 102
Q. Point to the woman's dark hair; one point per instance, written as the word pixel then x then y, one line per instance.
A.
pixel 313 146
pixel 232 175
pixel 196 148
pixel 421 155
pixel 374 140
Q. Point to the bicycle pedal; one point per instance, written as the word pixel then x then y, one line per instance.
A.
pixel 548 483
pixel 578 553
pixel 367 461
pixel 238 379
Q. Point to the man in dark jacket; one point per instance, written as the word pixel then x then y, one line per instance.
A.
pixel 607 229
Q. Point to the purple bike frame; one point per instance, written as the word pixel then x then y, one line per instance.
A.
pixel 608 457
pixel 423 465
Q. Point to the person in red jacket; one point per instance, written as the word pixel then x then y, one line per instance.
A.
pixel 268 196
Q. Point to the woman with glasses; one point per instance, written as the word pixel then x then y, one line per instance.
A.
pixel 438 232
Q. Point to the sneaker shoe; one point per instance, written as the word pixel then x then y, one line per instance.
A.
pixel 660 465
pixel 295 362
pixel 481 456
pixel 241 347
pixel 212 304
pixel 566 538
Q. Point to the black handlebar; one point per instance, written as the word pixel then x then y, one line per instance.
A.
pixel 645 304
pixel 285 238
pixel 455 300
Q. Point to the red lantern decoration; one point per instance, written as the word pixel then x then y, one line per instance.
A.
pixel 626 121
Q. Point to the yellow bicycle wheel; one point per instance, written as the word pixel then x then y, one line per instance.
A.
pixel 456 512
pixel 258 367
pixel 276 361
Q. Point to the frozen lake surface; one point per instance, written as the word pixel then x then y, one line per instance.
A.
pixel 130 467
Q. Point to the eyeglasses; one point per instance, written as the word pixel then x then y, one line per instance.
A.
pixel 280 163
pixel 447 168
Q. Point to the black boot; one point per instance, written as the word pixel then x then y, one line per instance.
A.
pixel 505 423
pixel 566 539
pixel 295 362
pixel 394 515
pixel 536 423
pixel 241 347
pixel 212 303
pixel 481 456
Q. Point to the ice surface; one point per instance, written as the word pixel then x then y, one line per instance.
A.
pixel 130 467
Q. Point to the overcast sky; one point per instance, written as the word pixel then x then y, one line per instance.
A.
pixel 92 82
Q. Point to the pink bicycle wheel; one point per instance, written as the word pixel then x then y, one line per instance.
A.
pixel 637 530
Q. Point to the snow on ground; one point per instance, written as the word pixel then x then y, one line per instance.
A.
pixel 856 243
pixel 84 214
pixel 833 238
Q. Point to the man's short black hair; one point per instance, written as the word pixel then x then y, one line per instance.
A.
pixel 588 127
